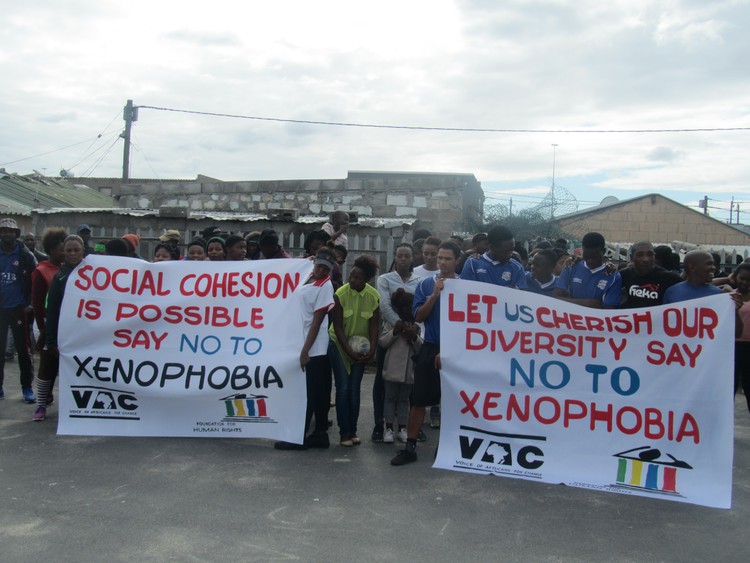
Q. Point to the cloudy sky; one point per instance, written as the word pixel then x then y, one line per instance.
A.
pixel 69 68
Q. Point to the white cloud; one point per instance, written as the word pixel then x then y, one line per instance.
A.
pixel 627 64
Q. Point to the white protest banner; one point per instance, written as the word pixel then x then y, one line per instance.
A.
pixel 633 401
pixel 183 348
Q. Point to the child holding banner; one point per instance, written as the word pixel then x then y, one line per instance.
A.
pixel 317 301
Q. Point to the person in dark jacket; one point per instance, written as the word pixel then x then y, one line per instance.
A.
pixel 74 250
pixel 16 265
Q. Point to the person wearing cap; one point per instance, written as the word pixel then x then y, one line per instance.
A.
pixel 253 245
pixel 133 244
pixel 16 266
pixel 84 231
pixel 316 296
pixel 172 238
pixel 210 232
pixel 316 240
pixel 269 245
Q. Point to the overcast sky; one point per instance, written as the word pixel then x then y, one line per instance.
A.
pixel 68 69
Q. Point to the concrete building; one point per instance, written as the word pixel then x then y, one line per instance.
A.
pixel 385 207
pixel 442 203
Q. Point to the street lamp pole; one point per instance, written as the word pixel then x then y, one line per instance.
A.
pixel 554 154
pixel 552 191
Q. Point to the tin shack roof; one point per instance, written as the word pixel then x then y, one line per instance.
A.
pixel 24 193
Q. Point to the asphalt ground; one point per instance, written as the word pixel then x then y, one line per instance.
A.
pixel 67 498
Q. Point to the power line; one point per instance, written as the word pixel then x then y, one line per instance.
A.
pixel 94 166
pixel 452 129
pixel 84 156
pixel 49 152
pixel 88 155
pixel 140 149
pixel 530 196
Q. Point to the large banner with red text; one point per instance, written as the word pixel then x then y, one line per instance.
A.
pixel 632 401
pixel 183 348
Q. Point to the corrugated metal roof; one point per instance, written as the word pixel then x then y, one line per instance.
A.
pixel 9 206
pixel 38 192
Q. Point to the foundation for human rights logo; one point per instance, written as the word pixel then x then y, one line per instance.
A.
pixel 647 469
pixel 247 408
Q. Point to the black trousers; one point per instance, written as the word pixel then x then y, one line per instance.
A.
pixel 318 380
pixel 742 369
pixel 16 320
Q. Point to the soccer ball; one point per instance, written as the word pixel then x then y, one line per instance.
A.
pixel 359 344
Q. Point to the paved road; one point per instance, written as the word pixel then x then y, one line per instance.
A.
pixel 66 498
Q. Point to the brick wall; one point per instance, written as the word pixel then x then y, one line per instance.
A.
pixel 654 218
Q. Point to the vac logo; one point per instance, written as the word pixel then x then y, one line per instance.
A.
pixel 102 402
pixel 495 452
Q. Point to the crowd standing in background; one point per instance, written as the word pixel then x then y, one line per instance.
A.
pixel 394 320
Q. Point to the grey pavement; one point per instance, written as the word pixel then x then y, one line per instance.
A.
pixel 65 498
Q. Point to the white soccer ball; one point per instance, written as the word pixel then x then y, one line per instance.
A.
pixel 359 344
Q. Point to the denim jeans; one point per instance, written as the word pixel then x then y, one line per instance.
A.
pixel 347 391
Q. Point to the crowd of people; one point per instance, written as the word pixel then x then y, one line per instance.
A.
pixel 392 319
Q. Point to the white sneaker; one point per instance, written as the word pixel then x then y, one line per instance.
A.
pixel 402 435
pixel 388 436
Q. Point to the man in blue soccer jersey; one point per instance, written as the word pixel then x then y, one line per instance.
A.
pixel 496 266
pixel 16 265
pixel 587 282
pixel 541 279
pixel 426 308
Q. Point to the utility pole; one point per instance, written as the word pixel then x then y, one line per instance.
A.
pixel 731 210
pixel 705 205
pixel 129 114
pixel 738 213
pixel 552 191
pixel 510 208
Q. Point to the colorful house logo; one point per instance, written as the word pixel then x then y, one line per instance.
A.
pixel 646 469
pixel 246 408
